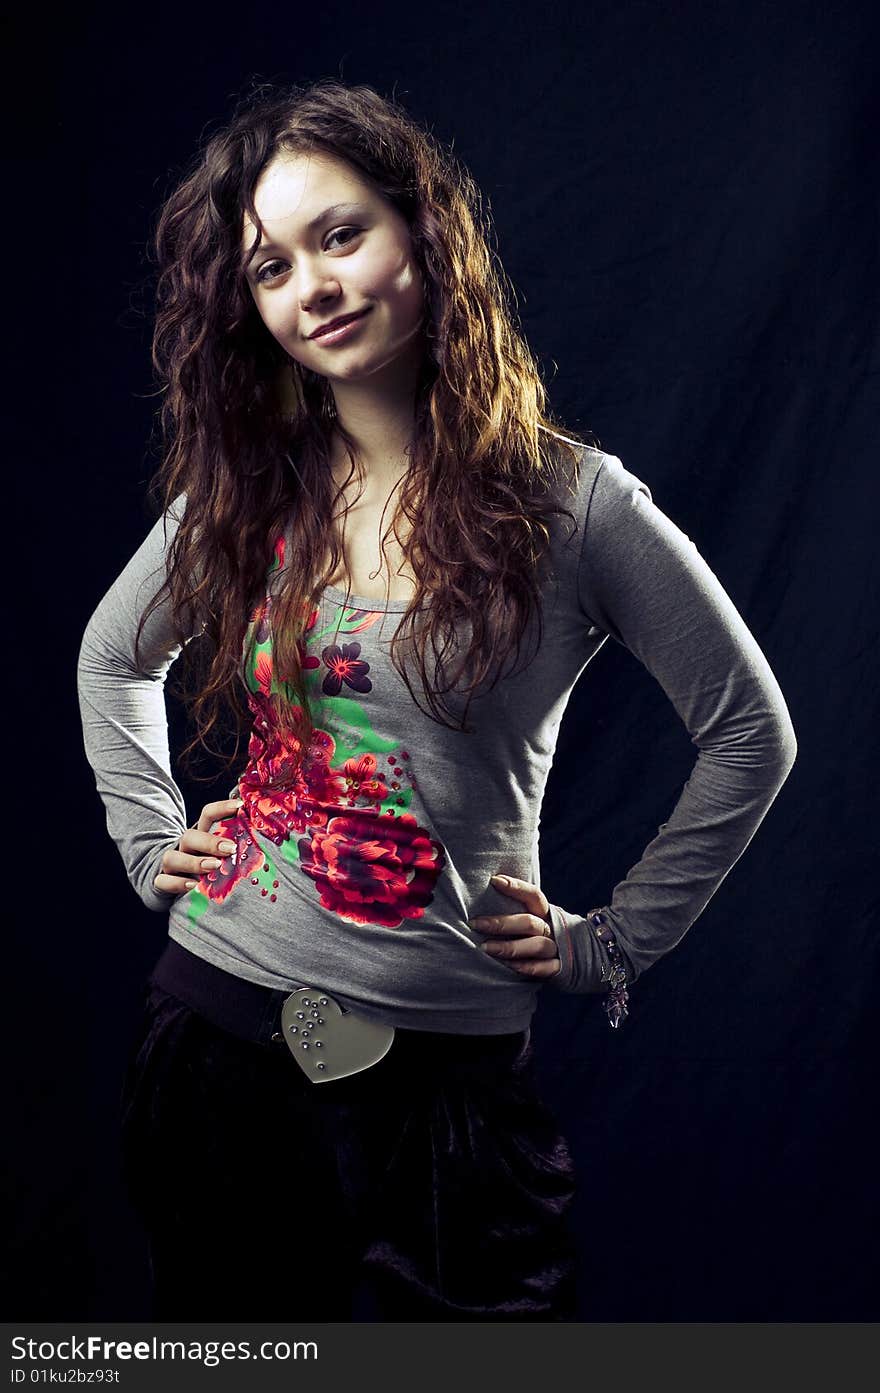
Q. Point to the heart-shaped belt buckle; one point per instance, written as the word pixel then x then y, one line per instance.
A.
pixel 327 1042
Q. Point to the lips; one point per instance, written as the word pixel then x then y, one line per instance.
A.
pixel 337 323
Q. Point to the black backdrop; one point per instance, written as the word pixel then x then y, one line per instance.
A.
pixel 685 197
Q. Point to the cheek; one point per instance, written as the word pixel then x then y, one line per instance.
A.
pixel 406 290
pixel 392 274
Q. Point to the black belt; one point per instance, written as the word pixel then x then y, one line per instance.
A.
pixel 327 1040
pixel 246 1009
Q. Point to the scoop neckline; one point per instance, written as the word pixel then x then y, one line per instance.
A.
pixel 364 602
pixel 372 606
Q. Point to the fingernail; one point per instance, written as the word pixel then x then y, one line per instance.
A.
pixel 190 884
pixel 210 863
pixel 226 846
pixel 502 879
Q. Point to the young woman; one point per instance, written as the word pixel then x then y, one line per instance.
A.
pixel 375 535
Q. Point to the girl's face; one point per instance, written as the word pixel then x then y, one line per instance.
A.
pixel 332 247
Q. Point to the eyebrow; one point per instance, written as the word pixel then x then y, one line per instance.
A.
pixel 334 211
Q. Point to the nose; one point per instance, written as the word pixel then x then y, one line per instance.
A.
pixel 317 288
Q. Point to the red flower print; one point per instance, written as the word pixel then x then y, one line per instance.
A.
pixel 260 618
pixel 244 861
pixel 263 672
pixel 373 869
pixel 360 619
pixel 277 804
pixel 360 778
pixel 317 761
pixel 345 666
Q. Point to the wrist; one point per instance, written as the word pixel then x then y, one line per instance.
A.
pixel 591 959
pixel 616 1000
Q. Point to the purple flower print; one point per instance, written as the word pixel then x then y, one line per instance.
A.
pixel 345 666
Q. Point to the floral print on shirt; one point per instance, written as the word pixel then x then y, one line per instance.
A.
pixel 339 817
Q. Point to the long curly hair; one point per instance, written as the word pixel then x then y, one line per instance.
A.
pixel 247 431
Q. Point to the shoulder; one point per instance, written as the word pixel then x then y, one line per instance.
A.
pixel 601 489
pixel 613 487
pixel 575 465
pixel 621 532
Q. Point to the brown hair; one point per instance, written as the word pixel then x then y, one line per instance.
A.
pixel 485 462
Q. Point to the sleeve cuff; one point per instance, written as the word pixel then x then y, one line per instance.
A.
pixel 592 959
pixel 160 901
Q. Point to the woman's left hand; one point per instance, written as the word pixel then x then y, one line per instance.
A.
pixel 524 941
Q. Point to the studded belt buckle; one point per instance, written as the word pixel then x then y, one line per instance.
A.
pixel 327 1041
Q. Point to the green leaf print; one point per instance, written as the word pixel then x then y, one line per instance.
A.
pixel 198 903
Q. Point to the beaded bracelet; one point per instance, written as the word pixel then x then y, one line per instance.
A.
pixel 616 1001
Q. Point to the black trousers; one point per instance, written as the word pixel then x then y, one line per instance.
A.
pixel 434 1185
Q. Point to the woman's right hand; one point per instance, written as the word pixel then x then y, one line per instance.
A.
pixel 198 851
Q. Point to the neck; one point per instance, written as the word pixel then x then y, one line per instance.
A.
pixel 379 416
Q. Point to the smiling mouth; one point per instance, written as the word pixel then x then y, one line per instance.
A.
pixel 339 324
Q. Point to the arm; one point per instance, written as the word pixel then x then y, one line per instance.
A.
pixel 122 705
pixel 642 580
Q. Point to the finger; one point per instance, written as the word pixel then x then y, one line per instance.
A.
pixel 215 812
pixel 179 863
pixel 512 925
pixel 173 884
pixel 528 893
pixel 206 843
pixel 543 967
pixel 528 961
pixel 522 952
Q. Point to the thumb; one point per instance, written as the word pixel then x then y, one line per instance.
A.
pixel 532 896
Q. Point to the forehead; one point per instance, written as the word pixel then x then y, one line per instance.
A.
pixel 294 189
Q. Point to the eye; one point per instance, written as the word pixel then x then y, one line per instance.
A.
pixel 336 232
pixel 263 275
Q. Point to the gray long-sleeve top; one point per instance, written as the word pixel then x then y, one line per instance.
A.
pixel 361 878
